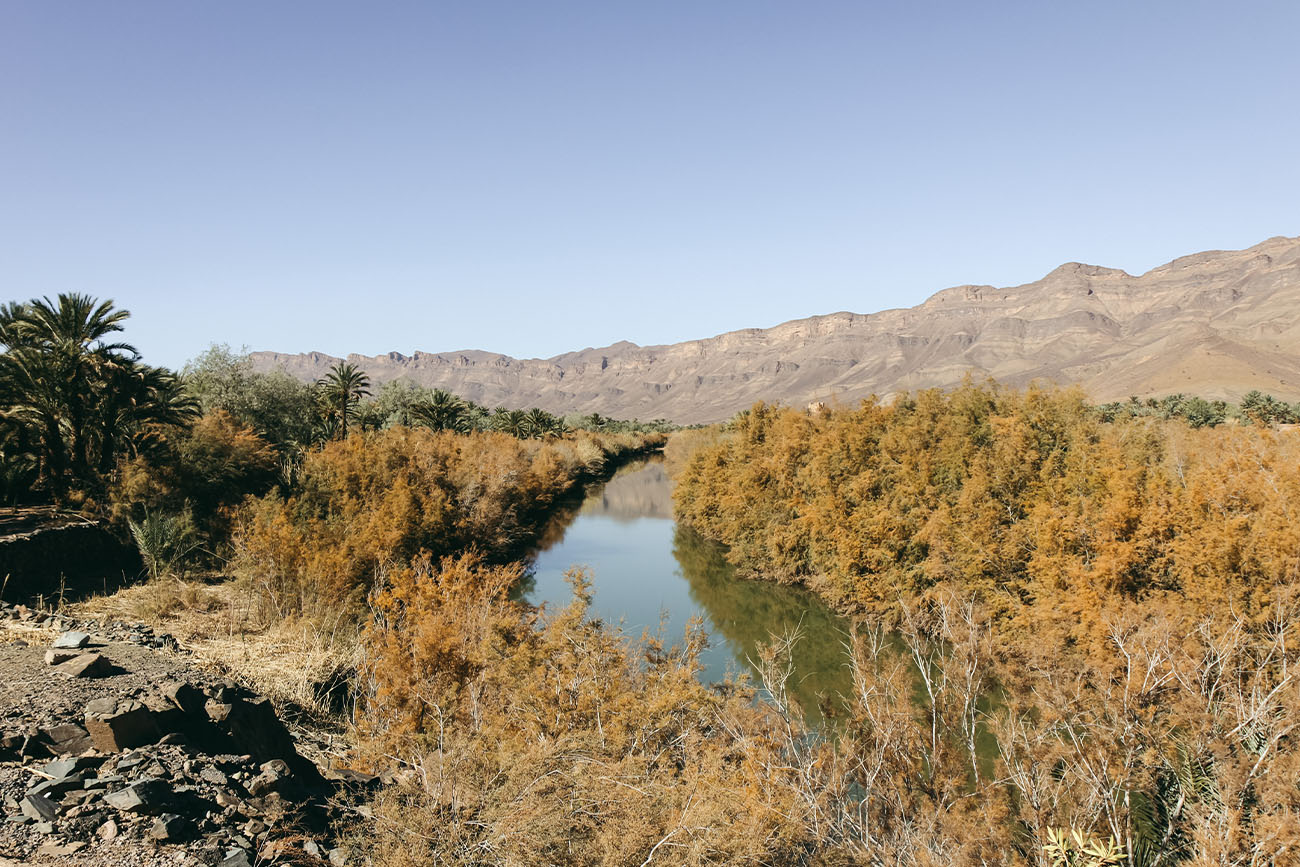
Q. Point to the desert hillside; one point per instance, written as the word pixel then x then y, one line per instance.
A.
pixel 1217 324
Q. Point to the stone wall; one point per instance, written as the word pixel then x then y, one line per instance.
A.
pixel 43 553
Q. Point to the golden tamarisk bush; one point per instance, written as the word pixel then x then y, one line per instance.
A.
pixel 529 738
pixel 382 497
pixel 553 740
pixel 1025 499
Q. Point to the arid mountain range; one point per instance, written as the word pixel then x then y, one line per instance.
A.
pixel 1217 324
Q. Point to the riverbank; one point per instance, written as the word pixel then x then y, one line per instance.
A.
pixel 1129 587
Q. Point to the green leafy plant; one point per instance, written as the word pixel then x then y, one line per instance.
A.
pixel 164 541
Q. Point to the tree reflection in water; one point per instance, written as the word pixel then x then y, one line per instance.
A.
pixel 744 614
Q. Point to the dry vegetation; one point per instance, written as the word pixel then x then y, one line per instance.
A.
pixel 384 498
pixel 1111 606
pixel 1077 642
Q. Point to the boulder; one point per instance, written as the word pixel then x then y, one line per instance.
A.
pixel 39 808
pixel 129 725
pixel 65 739
pixel 236 858
pixel 66 767
pixel 71 641
pixel 171 828
pixel 149 795
pixel 58 657
pixel 87 665
pixel 253 727
pixel 188 698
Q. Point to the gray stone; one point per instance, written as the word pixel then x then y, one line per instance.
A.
pixel 338 857
pixel 71 641
pixel 170 828
pixel 236 858
pixel 149 795
pixel 49 788
pixel 60 849
pixel 210 774
pixel 87 665
pixel 105 781
pixel 106 704
pixel 66 767
pixel 40 808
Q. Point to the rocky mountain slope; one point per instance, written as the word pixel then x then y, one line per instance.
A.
pixel 1216 324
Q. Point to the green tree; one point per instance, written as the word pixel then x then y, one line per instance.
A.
pixel 281 409
pixel 442 411
pixel 72 398
pixel 341 390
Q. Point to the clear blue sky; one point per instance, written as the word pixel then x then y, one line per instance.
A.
pixel 534 177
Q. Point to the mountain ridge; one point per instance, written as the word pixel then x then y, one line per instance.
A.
pixel 1216 323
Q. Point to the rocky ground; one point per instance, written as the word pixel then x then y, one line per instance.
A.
pixel 117 749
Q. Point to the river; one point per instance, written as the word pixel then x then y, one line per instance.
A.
pixel 646 570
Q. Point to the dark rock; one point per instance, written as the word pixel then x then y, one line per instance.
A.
pixel 126 763
pixel 167 716
pixel 40 808
pixel 131 724
pixel 66 767
pixel 187 698
pixel 170 828
pixel 236 858
pixel 49 788
pixel 254 727
pixel 65 739
pixel 87 665
pixel 71 641
pixel 149 795
pixel 105 781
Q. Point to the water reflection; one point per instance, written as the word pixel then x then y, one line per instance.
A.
pixel 646 570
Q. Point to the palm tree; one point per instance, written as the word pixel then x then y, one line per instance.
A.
pixel 55 371
pixel 442 411
pixel 513 422
pixel 341 390
pixel 538 423
pixel 139 402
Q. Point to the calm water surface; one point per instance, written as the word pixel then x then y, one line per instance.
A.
pixel 646 570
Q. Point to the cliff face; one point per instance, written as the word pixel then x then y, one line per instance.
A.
pixel 1217 324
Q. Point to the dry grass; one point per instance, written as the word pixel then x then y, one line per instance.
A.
pixel 290 660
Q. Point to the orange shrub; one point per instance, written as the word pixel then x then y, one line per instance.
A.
pixel 383 497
